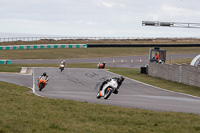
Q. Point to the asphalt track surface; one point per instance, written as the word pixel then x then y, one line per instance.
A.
pixel 82 84
pixel 138 61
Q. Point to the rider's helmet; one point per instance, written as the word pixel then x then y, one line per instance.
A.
pixel 120 79
pixel 63 61
pixel 44 73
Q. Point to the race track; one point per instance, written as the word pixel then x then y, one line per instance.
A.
pixel 82 84
pixel 138 61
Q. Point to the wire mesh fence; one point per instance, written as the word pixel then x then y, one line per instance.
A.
pixel 61 38
pixel 102 39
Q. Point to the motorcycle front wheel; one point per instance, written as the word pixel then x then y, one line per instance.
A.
pixel 98 97
pixel 41 87
pixel 61 69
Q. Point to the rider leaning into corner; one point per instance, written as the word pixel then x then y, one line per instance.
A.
pixel 119 81
pixel 45 76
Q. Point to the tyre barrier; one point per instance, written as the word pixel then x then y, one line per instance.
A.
pixel 42 46
pixel 5 61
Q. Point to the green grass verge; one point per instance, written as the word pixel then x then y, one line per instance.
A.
pixel 10 68
pixel 22 111
pixel 180 61
pixel 17 67
pixel 87 52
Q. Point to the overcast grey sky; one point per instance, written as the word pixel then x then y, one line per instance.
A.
pixel 100 18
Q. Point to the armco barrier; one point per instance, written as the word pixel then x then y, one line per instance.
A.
pixel 43 46
pixel 5 61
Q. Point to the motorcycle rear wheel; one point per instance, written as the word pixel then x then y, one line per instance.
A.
pixel 107 93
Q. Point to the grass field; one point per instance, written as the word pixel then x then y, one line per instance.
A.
pixel 87 52
pixel 22 111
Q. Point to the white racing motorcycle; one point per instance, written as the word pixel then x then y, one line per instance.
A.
pixel 62 67
pixel 107 89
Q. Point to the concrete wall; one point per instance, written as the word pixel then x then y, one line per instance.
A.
pixel 184 73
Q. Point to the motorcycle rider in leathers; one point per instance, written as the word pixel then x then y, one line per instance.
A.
pixel 119 81
pixel 43 75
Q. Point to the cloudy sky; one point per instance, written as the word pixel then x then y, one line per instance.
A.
pixel 100 18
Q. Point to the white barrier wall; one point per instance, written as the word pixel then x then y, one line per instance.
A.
pixel 184 73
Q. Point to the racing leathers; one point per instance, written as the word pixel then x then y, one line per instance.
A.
pixel 45 77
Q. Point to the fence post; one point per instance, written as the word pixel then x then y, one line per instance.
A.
pixel 180 73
